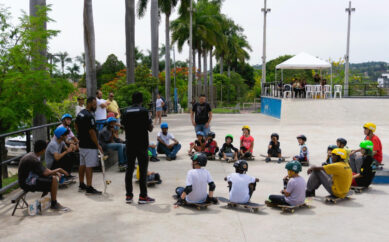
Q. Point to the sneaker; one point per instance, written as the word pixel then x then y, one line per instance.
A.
pixel 71 177
pixel 92 191
pixel 145 200
pixel 154 159
pixel 309 194
pixel 82 187
pixel 56 206
pixel 168 158
pixel 267 159
pixel 129 199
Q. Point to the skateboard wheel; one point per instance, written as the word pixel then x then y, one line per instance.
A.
pixel 256 209
pixel 251 210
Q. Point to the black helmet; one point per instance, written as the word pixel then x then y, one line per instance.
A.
pixel 332 147
pixel 241 165
pixel 343 141
pixel 200 158
pixel 301 136
pixel 212 134
pixel 275 135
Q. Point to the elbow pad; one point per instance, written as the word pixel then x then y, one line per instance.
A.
pixel 212 186
pixel 188 189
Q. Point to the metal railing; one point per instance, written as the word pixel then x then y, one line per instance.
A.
pixel 367 90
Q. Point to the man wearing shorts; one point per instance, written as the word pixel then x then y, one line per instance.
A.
pixel 89 146
pixel 34 177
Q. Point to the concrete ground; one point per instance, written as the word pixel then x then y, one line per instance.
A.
pixel 109 218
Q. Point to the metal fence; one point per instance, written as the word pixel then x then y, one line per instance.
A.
pixel 367 90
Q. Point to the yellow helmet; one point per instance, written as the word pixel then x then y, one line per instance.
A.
pixel 340 152
pixel 370 126
pixel 246 127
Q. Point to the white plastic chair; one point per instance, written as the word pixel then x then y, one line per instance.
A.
pixel 338 89
pixel 287 90
pixel 309 91
pixel 327 90
pixel 272 90
pixel 318 90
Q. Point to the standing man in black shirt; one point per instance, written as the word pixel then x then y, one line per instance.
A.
pixel 201 115
pixel 89 145
pixel 137 124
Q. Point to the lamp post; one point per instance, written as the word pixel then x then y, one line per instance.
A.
pixel 349 10
pixel 265 10
pixel 190 57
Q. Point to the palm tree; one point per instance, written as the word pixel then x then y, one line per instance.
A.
pixel 73 72
pixel 53 60
pixel 81 59
pixel 89 46
pixel 64 59
pixel 130 40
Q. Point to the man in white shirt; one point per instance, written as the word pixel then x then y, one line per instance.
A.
pixel 241 185
pixel 164 145
pixel 101 110
pixel 196 184
pixel 80 106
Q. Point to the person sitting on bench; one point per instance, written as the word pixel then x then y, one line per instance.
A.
pixel 33 176
pixel 336 177
pixel 368 168
pixel 57 151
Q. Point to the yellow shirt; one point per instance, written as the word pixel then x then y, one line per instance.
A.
pixel 341 178
pixel 113 107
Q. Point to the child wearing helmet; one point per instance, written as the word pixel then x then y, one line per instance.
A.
pixel 274 148
pixel 368 169
pixel 303 157
pixel 342 143
pixel 165 146
pixel 330 148
pixel 198 180
pixel 151 176
pixel 336 178
pixel 228 151
pixel 240 184
pixel 293 193
pixel 211 146
pixel 198 145
pixel 246 143
pixel 109 140
pixel 66 120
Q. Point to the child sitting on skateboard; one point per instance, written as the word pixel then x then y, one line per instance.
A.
pixel 294 187
pixel 151 176
pixel 240 184
pixel 336 177
pixel 198 145
pixel 342 143
pixel 368 169
pixel 274 148
pixel 330 148
pixel 228 151
pixel 197 181
pixel 303 156
pixel 211 146
pixel 246 144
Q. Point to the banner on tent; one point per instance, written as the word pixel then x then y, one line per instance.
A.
pixel 271 106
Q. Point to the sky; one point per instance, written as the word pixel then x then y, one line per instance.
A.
pixel 318 27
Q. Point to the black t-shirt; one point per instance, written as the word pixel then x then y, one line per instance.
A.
pixel 201 112
pixel 274 146
pixel 136 122
pixel 28 163
pixel 86 121
pixel 228 148
pixel 367 172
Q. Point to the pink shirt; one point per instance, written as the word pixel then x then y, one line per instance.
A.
pixel 246 142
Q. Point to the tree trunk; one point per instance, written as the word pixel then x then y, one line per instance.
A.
pixel 211 79
pixel 89 48
pixel 154 45
pixel 221 63
pixel 205 76
pixel 194 94
pixel 167 61
pixel 39 118
pixel 199 71
pixel 229 72
pixel 130 40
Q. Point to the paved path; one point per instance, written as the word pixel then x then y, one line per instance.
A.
pixel 108 218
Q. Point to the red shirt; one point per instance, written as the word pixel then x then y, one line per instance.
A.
pixel 246 142
pixel 377 146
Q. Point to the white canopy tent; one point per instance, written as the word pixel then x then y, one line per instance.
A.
pixel 303 61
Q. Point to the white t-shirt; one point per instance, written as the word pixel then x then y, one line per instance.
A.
pixel 240 187
pixel 79 108
pixel 165 138
pixel 159 102
pixel 198 179
pixel 100 113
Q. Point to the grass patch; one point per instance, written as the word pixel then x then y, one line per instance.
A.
pixel 9 180
pixel 224 110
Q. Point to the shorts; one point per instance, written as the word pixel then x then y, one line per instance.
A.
pixel 43 184
pixel 273 152
pixel 89 157
pixel 158 109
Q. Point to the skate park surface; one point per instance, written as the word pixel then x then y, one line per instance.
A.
pixel 109 218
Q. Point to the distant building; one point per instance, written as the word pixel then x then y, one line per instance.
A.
pixel 383 81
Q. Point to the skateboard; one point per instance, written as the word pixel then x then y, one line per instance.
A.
pixel 334 200
pixel 357 189
pixel 105 181
pixel 271 158
pixel 248 158
pixel 39 206
pixel 149 183
pixel 198 206
pixel 252 207
pixel 288 208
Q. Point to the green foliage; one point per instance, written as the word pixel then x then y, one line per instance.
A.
pixel 109 69
pixel 60 108
pixel 25 82
pixel 230 90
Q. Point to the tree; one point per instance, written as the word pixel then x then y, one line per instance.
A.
pixel 130 40
pixel 64 59
pixel 73 72
pixel 109 69
pixel 89 47
pixel 81 59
